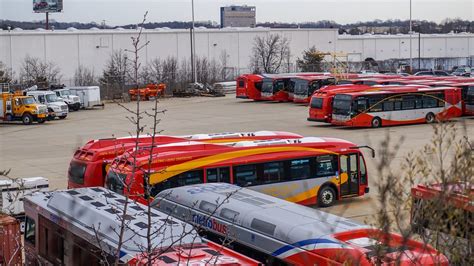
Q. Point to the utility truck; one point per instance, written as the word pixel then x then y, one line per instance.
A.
pixel 73 102
pixel 16 107
pixel 56 106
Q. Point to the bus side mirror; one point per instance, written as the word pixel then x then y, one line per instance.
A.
pixel 367 147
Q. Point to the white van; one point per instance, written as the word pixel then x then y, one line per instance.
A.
pixel 56 106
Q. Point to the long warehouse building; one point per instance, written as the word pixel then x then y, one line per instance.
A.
pixel 92 48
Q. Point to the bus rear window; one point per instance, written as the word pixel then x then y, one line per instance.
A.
pixel 76 172
pixel 115 182
pixel 317 103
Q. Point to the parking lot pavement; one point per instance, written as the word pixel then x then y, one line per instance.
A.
pixel 45 150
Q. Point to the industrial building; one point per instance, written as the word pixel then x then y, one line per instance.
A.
pixel 238 16
pixel 92 48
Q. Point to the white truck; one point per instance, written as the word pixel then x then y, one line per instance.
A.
pixel 88 95
pixel 14 191
pixel 56 106
pixel 72 101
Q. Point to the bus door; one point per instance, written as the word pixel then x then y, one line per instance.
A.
pixel 349 174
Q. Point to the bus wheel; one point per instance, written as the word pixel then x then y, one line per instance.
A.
pixel 430 118
pixel 376 122
pixel 326 196
pixel 27 119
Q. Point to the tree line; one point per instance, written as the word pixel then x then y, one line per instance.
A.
pixel 391 26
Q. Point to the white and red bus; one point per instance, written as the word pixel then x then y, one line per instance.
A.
pixel 276 88
pixel 304 87
pixel 88 165
pixel 276 231
pixel 308 171
pixel 82 227
pixel 443 214
pixel 320 107
pixel 249 86
pixel 396 106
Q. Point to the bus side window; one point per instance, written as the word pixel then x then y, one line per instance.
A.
pixel 418 102
pixel 326 165
pixel 272 172
pixel 245 175
pixel 218 175
pixel 299 169
pixel 363 171
pixel 441 98
pixel 179 180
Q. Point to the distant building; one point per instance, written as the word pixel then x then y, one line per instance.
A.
pixel 238 16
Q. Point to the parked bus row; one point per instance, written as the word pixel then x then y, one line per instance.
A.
pixel 363 100
pixel 306 170
pixel 83 227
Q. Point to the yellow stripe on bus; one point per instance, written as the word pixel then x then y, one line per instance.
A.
pixel 198 163
pixel 313 192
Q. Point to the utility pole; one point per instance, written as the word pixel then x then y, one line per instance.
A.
pixel 47 20
pixel 193 46
pixel 411 55
pixel 419 48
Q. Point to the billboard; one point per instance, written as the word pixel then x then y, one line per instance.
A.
pixel 43 6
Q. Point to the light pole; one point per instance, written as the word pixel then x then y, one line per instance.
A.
pixel 193 45
pixel 411 55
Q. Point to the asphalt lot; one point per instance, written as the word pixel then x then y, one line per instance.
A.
pixel 45 150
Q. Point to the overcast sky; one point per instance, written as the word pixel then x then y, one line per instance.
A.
pixel 117 12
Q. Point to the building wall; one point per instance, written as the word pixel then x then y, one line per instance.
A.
pixel 92 48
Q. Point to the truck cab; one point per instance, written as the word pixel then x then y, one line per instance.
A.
pixel 56 107
pixel 71 100
pixel 16 107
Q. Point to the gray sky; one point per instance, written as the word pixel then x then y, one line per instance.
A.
pixel 116 12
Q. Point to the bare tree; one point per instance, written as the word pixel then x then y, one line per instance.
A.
pixel 445 161
pixel 35 71
pixel 84 76
pixel 269 53
pixel 116 75
pixel 6 74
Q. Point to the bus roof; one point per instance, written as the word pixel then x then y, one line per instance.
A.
pixel 305 223
pixel 312 78
pixel 97 209
pixel 399 89
pixel 175 153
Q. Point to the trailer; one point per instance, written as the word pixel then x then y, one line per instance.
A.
pixel 89 96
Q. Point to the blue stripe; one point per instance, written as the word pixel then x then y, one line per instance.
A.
pixel 302 243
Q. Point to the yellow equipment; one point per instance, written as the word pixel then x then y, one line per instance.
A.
pixel 16 107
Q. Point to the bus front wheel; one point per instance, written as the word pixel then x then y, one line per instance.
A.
pixel 326 196
pixel 376 122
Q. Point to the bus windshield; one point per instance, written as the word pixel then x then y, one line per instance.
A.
pixel 267 86
pixel 301 87
pixel 470 95
pixel 342 104
pixel 314 86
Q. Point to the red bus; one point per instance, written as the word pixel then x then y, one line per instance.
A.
pixel 396 106
pixel 276 88
pixel 469 101
pixel 443 214
pixel 308 170
pixel 320 108
pixel 88 165
pixel 304 87
pixel 249 86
